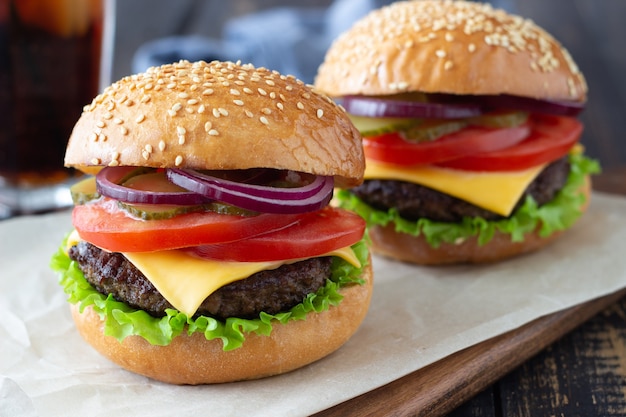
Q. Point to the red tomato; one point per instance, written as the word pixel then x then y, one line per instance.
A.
pixel 393 149
pixel 551 138
pixel 110 228
pixel 315 234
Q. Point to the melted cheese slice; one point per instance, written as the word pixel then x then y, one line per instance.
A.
pixel 186 281
pixel 494 191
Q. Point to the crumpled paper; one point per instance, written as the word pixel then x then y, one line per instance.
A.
pixel 418 316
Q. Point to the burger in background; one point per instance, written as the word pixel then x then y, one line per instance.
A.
pixel 204 248
pixel 468 117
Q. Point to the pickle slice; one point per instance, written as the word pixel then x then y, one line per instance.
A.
pixel 374 126
pixel 84 191
pixel 167 211
pixel 500 119
pixel 152 181
pixel 430 130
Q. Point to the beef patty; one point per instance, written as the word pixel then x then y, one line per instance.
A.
pixel 271 291
pixel 414 201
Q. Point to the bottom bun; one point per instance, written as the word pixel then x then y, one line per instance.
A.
pixel 415 249
pixel 195 360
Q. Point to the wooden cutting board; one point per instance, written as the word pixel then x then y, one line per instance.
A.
pixel 443 386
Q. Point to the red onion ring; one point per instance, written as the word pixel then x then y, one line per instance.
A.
pixel 380 107
pixel 556 107
pixel 287 193
pixel 108 182
pixel 257 197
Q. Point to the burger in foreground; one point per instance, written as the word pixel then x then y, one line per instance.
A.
pixel 204 248
pixel 468 117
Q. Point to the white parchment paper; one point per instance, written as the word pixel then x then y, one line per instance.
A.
pixel 418 316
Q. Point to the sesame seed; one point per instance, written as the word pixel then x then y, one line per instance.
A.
pixel 207 92
pixel 171 112
pixel 265 110
pixel 208 126
pixel 178 161
pixel 171 86
pixel 107 116
pixel 249 113
pixel 177 106
pixel 289 88
pixel 145 155
pixel 270 82
pixel 183 95
pixel 448 65
pixel 124 131
pixel 102 137
pixel 113 163
pixel 320 113
pixel 222 111
pixel 145 99
pixel 440 53
pixel 93 137
pixel 192 101
pixel 95 161
pixel 180 130
pixel 238 102
pixel 272 94
pixel 247 90
pixel 300 105
pixel 213 132
pixel 279 105
pixel 181 140
pixel 216 113
pixel 262 91
pixel 161 145
pixel 471 47
pixel 263 120
pixel 140 118
pixel 201 108
pixel 234 92
pixel 100 124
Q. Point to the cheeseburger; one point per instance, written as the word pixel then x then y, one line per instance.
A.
pixel 204 249
pixel 469 130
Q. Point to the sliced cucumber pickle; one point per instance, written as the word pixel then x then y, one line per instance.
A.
pixel 500 119
pixel 167 211
pixel 430 130
pixel 152 181
pixel 374 126
pixel 84 191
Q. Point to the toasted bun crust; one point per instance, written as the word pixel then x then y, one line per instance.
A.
pixel 195 360
pixel 217 115
pixel 449 47
pixel 387 242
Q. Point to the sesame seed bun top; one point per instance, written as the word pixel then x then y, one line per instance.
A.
pixel 217 115
pixel 454 47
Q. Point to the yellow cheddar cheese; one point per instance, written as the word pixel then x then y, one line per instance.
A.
pixel 494 191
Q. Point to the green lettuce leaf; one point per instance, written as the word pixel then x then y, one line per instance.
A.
pixel 558 214
pixel 122 320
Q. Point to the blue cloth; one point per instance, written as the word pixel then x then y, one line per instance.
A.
pixel 290 40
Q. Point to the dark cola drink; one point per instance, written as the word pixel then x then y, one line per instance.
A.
pixel 50 54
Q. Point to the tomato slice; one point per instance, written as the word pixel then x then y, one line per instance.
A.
pixel 315 234
pixel 108 227
pixel 393 149
pixel 551 138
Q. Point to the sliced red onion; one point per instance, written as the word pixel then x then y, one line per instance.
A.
pixel 108 184
pixel 286 193
pixel 556 107
pixel 257 197
pixel 380 107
